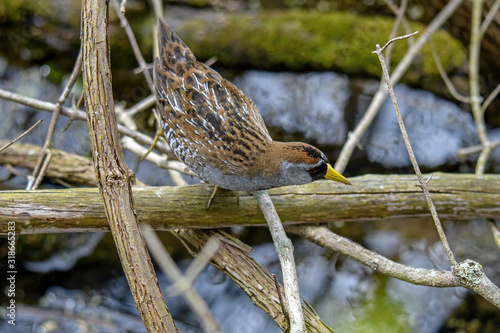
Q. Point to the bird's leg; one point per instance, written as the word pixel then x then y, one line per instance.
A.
pixel 159 133
pixel 216 188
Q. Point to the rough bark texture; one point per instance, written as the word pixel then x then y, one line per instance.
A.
pixel 456 196
pixel 113 176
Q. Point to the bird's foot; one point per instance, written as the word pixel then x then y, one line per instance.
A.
pixel 212 197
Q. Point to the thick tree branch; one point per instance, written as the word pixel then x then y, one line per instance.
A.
pixel 113 176
pixel 462 196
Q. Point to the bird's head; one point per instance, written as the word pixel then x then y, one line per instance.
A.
pixel 302 163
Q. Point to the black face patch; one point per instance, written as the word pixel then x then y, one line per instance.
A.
pixel 319 171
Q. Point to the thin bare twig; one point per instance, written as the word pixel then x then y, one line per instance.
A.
pixel 475 95
pixel 399 18
pixel 278 290
pixel 21 136
pixel 80 115
pixel 474 49
pixel 392 40
pixel 158 9
pixel 475 149
pixel 495 232
pixel 355 136
pixel 174 167
pixel 183 283
pixel 490 98
pixel 330 240
pixel 284 249
pixel 451 87
pixel 123 6
pixel 402 126
pixel 74 107
pixel 489 17
pixel 44 158
pixel 392 6
pixel 142 105
pixel 202 259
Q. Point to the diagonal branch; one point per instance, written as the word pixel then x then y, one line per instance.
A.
pixel 183 284
pixel 453 91
pixel 133 42
pixel 7 145
pixel 113 176
pixel 234 260
pixel 475 94
pixel 426 277
pixel 80 115
pixel 284 248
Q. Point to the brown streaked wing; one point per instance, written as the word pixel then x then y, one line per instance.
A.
pixel 205 113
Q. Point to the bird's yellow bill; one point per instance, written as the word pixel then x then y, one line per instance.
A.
pixel 331 174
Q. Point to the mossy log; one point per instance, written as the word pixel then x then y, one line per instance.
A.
pixel 306 40
pixel 456 196
pixel 65 168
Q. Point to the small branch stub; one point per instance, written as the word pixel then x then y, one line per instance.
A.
pixel 393 40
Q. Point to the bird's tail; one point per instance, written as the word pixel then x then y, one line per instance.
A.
pixel 173 51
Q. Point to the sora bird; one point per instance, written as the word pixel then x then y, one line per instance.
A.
pixel 218 132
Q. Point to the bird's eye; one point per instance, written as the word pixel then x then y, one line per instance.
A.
pixel 318 171
pixel 315 170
